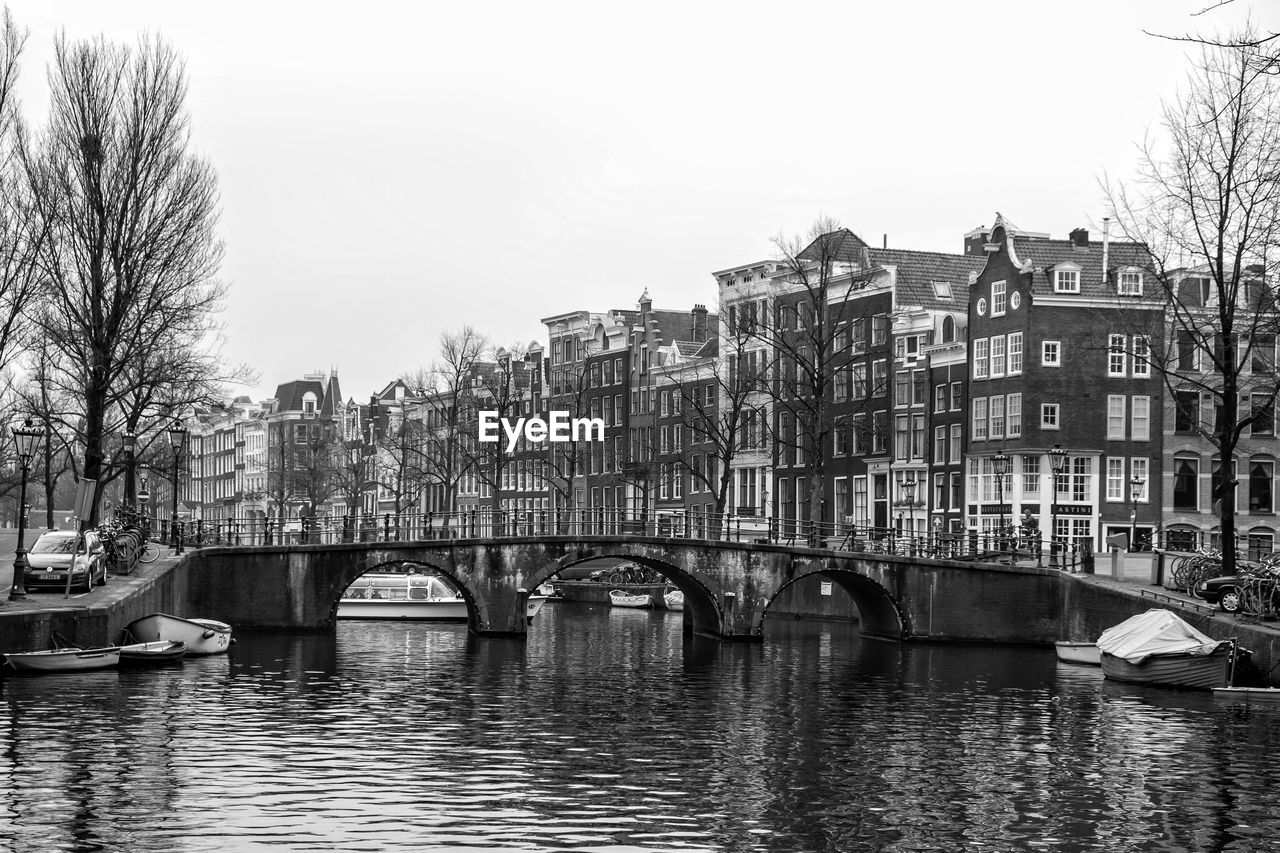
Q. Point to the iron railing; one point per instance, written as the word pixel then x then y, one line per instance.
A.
pixel 1012 545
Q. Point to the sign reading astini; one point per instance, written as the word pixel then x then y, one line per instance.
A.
pixel 557 427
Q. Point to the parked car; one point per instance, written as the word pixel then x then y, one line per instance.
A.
pixel 51 557
pixel 1223 591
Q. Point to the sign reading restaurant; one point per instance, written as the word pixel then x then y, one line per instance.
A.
pixel 558 427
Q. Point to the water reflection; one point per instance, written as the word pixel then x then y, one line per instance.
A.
pixel 612 729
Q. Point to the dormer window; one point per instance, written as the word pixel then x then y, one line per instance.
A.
pixel 1066 279
pixel 942 290
pixel 1129 283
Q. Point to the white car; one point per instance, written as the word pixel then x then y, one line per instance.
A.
pixel 51 557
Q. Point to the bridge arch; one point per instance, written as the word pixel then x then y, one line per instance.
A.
pixel 879 615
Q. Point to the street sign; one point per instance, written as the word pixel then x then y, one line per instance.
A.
pixel 85 489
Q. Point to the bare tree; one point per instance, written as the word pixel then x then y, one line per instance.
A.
pixel 502 387
pixel 130 252
pixel 1207 205
pixel 570 392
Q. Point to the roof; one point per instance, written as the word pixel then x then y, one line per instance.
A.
pixel 1044 255
pixel 842 245
pixel 290 394
pixel 917 271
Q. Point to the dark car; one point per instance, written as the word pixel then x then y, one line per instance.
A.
pixel 52 556
pixel 1223 591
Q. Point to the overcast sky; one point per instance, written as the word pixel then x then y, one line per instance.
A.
pixel 392 171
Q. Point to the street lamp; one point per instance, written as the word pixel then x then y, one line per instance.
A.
pixel 130 442
pixel 1057 461
pixel 178 441
pixel 908 487
pixel 144 495
pixel 1000 464
pixel 1135 492
pixel 26 437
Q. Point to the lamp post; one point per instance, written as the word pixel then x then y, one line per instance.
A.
pixel 908 487
pixel 26 437
pixel 144 495
pixel 178 441
pixel 1135 492
pixel 130 443
pixel 1057 461
pixel 1000 464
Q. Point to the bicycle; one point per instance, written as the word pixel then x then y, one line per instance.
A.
pixel 149 552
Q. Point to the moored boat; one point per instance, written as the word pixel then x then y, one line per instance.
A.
pixel 1248 695
pixel 674 599
pixel 201 636
pixel 1158 648
pixel 410 597
pixel 1082 653
pixel 157 651
pixel 63 660
pixel 619 598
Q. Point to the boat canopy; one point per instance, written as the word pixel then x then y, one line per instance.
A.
pixel 400 587
pixel 1156 632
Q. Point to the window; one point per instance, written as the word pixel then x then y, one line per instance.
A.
pixel 860 434
pixel 1013 415
pixel 1130 283
pixel 1116 360
pixel 1141 356
pixel 1216 486
pixel 917 437
pixel 1050 354
pixel 956 436
pixel 940 445
pixel 859 381
pixel 1186 413
pixel 995 423
pixel 1115 479
pixel 1264 354
pixel 1140 467
pixel 1030 476
pixel 1186 484
pixel 919 382
pixel 980 419
pixel 902 388
pixel 841 438
pixel 1015 353
pixel 1115 416
pixel 948 329
pixel 1049 416
pixel 1263 414
pixel 1187 351
pixel 997 356
pixel 940 398
pixel 902 425
pixel 942 289
pixel 957 494
pixel 879 377
pixel 860 335
pixel 1066 281
pixel 879 429
pixel 1141 418
pixel 997 298
pixel 1260 485
pixel 879 329
pixel 980 358
pixel 957 396
pixel 1081 476
pixel 939 491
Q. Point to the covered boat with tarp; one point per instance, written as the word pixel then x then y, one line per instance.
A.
pixel 1160 648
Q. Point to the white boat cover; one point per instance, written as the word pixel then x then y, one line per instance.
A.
pixel 1156 632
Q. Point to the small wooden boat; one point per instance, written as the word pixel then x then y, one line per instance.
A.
pixel 1248 695
pixel 201 636
pixel 674 599
pixel 1082 653
pixel 158 651
pixel 1159 648
pixel 63 660
pixel 618 598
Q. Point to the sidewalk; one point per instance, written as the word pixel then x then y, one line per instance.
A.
pixel 117 588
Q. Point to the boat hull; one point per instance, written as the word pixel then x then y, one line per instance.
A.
pixel 1183 671
pixel 64 660
pixel 1087 654
pixel 202 636
pixel 674 600
pixel 622 599
pixel 158 651
pixel 1248 695
pixel 410 610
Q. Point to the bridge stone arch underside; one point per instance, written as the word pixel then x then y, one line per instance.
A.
pixel 728 586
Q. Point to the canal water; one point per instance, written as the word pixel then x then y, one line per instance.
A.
pixel 609 731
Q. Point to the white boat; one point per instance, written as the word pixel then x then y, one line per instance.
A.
pixel 1085 653
pixel 1248 695
pixel 674 599
pixel 416 597
pixel 618 598
pixel 157 651
pixel 1159 648
pixel 64 660
pixel 202 636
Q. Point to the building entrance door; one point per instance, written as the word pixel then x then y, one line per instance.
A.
pixel 880 495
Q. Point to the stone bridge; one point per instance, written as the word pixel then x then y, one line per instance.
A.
pixel 728 586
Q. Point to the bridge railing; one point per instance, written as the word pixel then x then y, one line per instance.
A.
pixel 1010 545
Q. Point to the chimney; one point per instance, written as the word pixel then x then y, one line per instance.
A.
pixel 975 241
pixel 1080 238
pixel 646 305
pixel 699 324
pixel 1106 246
